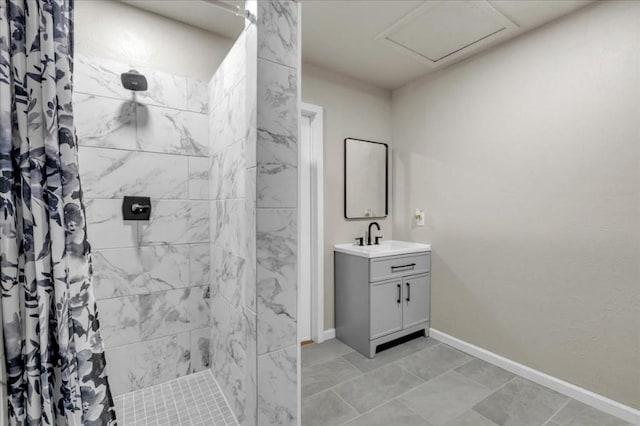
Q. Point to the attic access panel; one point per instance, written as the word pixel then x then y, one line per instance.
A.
pixel 439 32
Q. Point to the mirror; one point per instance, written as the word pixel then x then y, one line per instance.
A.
pixel 365 179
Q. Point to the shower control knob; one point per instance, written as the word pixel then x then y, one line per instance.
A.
pixel 136 208
pixel 139 208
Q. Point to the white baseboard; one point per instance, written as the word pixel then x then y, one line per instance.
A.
pixel 329 334
pixel 580 394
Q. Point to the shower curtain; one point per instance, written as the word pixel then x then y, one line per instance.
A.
pixel 55 365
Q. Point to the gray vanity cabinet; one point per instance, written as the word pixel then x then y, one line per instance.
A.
pixel 380 299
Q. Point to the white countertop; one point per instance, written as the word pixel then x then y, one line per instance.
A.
pixel 385 248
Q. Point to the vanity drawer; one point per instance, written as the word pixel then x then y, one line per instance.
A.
pixel 384 268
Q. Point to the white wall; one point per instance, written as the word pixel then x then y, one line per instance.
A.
pixel 526 160
pixel 114 30
pixel 351 109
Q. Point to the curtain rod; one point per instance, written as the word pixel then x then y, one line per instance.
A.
pixel 229 8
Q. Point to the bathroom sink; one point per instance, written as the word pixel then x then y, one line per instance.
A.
pixel 385 248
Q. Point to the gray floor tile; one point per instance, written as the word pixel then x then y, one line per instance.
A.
pixel 392 413
pixel 443 401
pixel 420 343
pixel 484 373
pixel 470 418
pixel 376 387
pixel 521 403
pixel 325 408
pixel 433 361
pixel 323 352
pixel 390 355
pixel 319 377
pixel 578 414
pixel 444 398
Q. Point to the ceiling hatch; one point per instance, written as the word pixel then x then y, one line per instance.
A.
pixel 439 32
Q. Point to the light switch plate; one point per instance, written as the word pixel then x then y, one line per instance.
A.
pixel 419 217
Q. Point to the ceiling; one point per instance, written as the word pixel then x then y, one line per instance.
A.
pixel 387 42
pixel 198 13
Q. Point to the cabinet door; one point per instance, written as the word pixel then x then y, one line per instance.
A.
pixel 386 308
pixel 415 299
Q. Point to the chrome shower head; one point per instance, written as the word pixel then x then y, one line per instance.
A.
pixel 133 80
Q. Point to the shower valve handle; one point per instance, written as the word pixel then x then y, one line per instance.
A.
pixel 139 208
pixel 136 208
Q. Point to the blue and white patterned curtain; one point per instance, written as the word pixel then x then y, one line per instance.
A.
pixel 55 365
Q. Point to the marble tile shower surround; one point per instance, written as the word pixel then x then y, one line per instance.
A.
pixel 253 170
pixel 219 162
pixel 278 96
pixel 151 277
pixel 232 237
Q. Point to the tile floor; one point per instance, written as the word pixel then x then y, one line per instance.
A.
pixel 193 400
pixel 423 382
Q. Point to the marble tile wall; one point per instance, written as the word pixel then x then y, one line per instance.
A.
pixel 253 118
pixel 232 212
pixel 278 97
pixel 210 280
pixel 151 277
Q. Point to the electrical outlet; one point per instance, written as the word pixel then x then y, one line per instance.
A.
pixel 419 217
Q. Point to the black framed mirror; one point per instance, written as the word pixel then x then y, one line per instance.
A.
pixel 366 180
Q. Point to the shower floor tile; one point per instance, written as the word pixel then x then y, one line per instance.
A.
pixel 192 400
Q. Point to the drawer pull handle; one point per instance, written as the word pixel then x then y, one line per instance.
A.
pixel 409 266
pixel 408 292
pixel 399 294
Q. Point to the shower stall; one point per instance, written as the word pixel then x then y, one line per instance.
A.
pixel 197 303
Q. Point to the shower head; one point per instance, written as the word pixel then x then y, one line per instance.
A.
pixel 133 80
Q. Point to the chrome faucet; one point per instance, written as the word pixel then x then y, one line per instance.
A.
pixel 369 233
